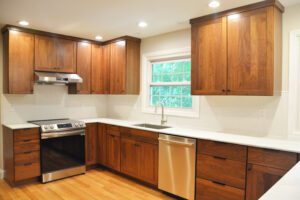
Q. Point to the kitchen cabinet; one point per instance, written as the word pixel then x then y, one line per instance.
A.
pixel 100 69
pixel 84 55
pixel 265 167
pixel 240 53
pixel 129 157
pixel 124 66
pixel 113 145
pixel 18 60
pixel 54 54
pixel 102 144
pixel 91 144
pixel 21 155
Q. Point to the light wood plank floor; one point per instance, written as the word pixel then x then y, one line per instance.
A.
pixel 95 184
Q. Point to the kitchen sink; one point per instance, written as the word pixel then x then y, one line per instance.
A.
pixel 153 126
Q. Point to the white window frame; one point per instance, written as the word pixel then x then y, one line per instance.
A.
pixel 147 60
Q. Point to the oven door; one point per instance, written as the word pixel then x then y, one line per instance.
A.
pixel 62 150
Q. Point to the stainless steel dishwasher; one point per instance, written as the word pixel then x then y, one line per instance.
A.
pixel 176 168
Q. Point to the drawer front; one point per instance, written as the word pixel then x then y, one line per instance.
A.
pixel 225 171
pixel 140 135
pixel 223 150
pixel 27 171
pixel 272 158
pixel 26 146
pixel 28 157
pixel 113 128
pixel 207 190
pixel 26 134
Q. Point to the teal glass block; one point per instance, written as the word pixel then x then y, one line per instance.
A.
pixel 156 69
pixel 156 78
pixel 187 66
pixel 178 67
pixel 177 78
pixel 155 90
pixel 154 100
pixel 174 102
pixel 166 78
pixel 164 90
pixel 187 102
pixel 187 77
pixel 175 90
pixel 186 90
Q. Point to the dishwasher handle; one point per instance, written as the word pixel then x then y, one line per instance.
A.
pixel 190 144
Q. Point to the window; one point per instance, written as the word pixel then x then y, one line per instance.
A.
pixel 166 79
pixel 171 84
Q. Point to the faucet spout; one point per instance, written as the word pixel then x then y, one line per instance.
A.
pixel 163 120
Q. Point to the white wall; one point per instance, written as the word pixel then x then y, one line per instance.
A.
pixel 256 116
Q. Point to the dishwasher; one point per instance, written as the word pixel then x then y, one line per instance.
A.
pixel 176 168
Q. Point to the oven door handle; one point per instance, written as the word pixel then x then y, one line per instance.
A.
pixel 62 134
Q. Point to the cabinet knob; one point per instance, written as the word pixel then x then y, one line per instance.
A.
pixel 228 90
pixel 223 90
pixel 249 167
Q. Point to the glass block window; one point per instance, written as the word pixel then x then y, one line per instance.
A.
pixel 171 84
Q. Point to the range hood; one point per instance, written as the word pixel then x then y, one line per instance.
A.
pixel 56 78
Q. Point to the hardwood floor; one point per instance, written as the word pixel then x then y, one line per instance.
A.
pixel 95 184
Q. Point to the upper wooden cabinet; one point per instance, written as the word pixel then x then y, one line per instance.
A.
pixel 83 69
pixel 18 62
pixel 55 54
pixel 124 66
pixel 238 52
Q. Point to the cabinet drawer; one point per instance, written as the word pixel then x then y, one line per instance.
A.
pixel 28 157
pixel 208 190
pixel 223 150
pixel 26 134
pixel 141 135
pixel 26 171
pixel 225 171
pixel 26 146
pixel 113 128
pixel 272 158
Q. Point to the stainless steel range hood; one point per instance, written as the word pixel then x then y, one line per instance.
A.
pixel 56 78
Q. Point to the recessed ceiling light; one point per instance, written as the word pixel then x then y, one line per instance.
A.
pixel 23 23
pixel 214 4
pixel 98 37
pixel 142 24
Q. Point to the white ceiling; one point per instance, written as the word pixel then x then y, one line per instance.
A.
pixel 110 18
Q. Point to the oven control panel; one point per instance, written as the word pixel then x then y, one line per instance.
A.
pixel 62 126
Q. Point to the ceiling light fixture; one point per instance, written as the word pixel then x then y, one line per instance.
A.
pixel 98 37
pixel 214 4
pixel 23 23
pixel 142 24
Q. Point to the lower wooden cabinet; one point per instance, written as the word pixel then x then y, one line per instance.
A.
pixel 209 190
pixel 21 153
pixel 129 157
pixel 260 179
pixel 91 144
pixel 113 151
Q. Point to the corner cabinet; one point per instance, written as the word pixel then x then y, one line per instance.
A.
pixel 238 52
pixel 18 57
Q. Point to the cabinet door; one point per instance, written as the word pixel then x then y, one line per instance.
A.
pixel 249 72
pixel 260 179
pixel 100 69
pixel 45 53
pixel 66 56
pixel 209 57
pixel 91 140
pixel 102 144
pixel 129 157
pixel 113 151
pixel 117 67
pixel 18 63
pixel 148 162
pixel 84 54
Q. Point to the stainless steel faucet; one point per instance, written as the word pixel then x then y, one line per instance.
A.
pixel 163 120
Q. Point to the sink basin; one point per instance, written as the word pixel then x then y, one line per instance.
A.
pixel 152 126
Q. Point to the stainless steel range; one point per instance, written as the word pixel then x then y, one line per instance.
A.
pixel 62 148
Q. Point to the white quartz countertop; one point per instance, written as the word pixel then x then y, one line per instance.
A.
pixel 262 142
pixel 21 126
pixel 287 187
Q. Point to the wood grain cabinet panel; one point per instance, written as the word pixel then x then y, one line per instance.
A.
pixel 209 57
pixel 102 144
pixel 113 150
pixel 66 55
pixel 27 171
pixel 240 53
pixel 91 144
pixel 129 157
pixel 84 55
pixel 18 60
pixel 208 190
pixel 260 179
pixel 100 69
pixel 225 171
